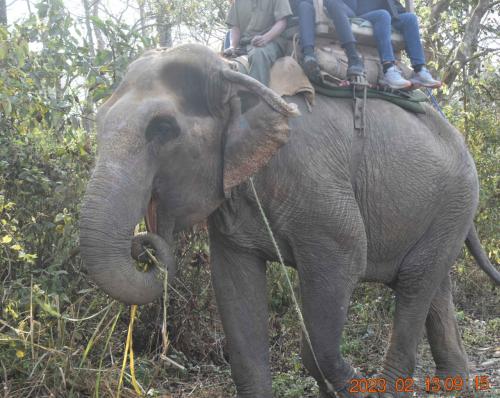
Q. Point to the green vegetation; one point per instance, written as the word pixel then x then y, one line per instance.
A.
pixel 59 335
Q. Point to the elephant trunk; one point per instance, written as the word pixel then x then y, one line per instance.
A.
pixel 109 215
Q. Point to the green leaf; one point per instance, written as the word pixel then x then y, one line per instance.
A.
pixel 99 23
pixel 47 308
pixel 7 239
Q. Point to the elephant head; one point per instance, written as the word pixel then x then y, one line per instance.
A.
pixel 182 128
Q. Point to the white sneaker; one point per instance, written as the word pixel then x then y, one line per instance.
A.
pixel 424 78
pixel 394 79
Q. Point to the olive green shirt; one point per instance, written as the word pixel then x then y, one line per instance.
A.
pixel 256 17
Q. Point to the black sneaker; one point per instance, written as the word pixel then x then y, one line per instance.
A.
pixel 355 67
pixel 311 68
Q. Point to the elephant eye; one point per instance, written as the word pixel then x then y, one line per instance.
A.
pixel 162 129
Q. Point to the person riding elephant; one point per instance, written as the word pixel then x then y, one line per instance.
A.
pixel 256 26
pixel 383 14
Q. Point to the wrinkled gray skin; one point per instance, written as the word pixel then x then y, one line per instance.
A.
pixel 173 129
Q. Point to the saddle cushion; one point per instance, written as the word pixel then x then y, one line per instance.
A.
pixel 362 29
pixel 288 78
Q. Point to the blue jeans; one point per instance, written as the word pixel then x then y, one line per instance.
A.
pixel 307 26
pixel 341 10
pixel 407 24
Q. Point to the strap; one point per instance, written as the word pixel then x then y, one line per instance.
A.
pixel 358 139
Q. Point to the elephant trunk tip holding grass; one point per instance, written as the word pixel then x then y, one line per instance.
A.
pixel 184 129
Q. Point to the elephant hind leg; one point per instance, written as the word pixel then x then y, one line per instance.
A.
pixel 444 337
pixel 417 291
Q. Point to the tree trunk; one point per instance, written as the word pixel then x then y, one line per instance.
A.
pixel 3 12
pixel 164 22
pixel 98 34
pixel 164 30
pixel 88 108
pixel 88 25
pixel 28 4
pixel 142 16
pixel 465 52
pixel 165 35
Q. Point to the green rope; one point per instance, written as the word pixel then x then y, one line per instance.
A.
pixel 329 386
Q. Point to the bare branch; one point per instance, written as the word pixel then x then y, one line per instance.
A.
pixel 435 18
pixel 466 49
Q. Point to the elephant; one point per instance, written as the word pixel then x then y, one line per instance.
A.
pixel 187 131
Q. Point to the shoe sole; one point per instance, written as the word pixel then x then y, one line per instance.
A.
pixel 405 87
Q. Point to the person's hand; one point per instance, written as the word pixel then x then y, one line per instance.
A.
pixel 259 41
pixel 230 52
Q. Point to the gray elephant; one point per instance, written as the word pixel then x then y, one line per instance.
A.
pixel 185 129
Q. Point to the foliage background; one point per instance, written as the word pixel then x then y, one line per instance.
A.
pixel 59 335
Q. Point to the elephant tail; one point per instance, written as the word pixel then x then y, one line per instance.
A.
pixel 477 251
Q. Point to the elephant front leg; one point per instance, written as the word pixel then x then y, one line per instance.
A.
pixel 239 280
pixel 326 292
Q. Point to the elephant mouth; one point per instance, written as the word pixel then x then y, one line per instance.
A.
pixel 150 251
pixel 152 215
pixel 148 248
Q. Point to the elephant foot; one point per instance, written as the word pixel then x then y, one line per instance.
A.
pixel 352 387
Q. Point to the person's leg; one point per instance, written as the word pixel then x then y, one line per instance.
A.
pixel 382 30
pixel 381 22
pixel 340 13
pixel 261 60
pixel 407 24
pixel 307 26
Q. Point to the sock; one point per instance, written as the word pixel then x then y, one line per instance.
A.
pixel 350 50
pixel 309 50
pixel 387 65
pixel 418 68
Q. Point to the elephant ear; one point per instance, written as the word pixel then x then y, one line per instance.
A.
pixel 258 127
